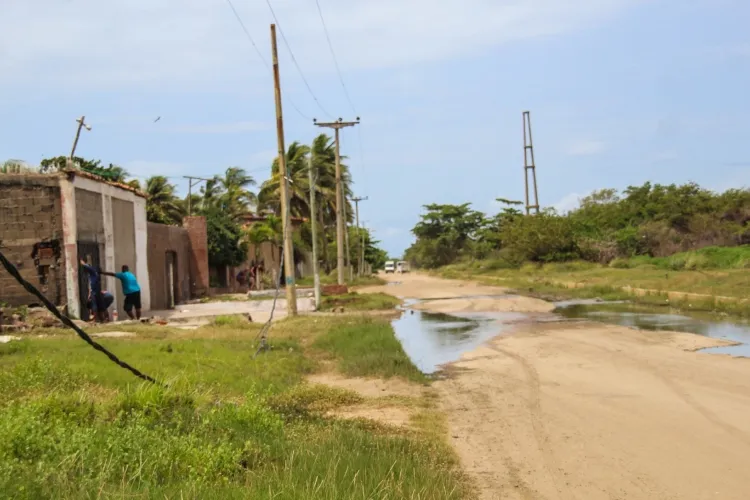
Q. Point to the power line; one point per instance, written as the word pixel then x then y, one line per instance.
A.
pixel 247 33
pixel 335 60
pixel 260 54
pixel 294 60
pixel 13 271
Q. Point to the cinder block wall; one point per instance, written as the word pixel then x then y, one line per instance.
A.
pixel 163 239
pixel 30 214
pixel 198 236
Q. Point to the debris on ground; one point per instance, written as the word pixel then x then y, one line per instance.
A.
pixel 334 289
pixel 4 339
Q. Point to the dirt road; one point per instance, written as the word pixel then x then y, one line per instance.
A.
pixel 589 411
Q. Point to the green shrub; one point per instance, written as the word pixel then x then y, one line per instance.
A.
pixel 621 263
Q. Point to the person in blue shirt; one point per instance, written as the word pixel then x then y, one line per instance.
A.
pixel 132 291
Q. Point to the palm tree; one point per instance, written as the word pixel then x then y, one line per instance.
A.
pixel 269 196
pixel 162 205
pixel 230 193
pixel 324 163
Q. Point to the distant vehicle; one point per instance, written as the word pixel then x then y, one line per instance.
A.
pixel 402 267
pixel 390 266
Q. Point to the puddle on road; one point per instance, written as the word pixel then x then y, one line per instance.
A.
pixel 653 318
pixel 433 339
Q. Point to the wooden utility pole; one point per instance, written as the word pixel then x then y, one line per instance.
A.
pixel 81 124
pixel 291 293
pixel 336 126
pixel 361 267
pixel 190 179
pixel 314 230
pixel 528 162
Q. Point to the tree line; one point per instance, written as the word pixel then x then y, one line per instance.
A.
pixel 652 220
pixel 227 200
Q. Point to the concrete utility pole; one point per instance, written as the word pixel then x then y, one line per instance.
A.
pixel 336 126
pixel 291 293
pixel 346 242
pixel 198 180
pixel 361 267
pixel 528 162
pixel 314 229
pixel 81 124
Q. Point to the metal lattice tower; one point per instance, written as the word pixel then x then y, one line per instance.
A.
pixel 528 163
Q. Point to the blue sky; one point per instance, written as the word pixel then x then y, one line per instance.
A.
pixel 621 92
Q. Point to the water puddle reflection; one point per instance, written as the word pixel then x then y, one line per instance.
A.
pixel 655 318
pixel 434 339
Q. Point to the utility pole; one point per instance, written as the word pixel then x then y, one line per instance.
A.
pixel 190 179
pixel 346 243
pixel 528 162
pixel 291 293
pixel 314 229
pixel 81 124
pixel 336 126
pixel 361 268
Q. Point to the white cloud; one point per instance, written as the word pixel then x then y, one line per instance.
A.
pixel 585 148
pixel 569 202
pixel 142 43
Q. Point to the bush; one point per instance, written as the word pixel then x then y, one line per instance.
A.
pixel 621 263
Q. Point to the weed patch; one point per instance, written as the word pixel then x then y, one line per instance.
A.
pixel 368 348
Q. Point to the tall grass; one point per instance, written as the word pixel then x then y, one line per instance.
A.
pixel 360 302
pixel 368 348
pixel 74 426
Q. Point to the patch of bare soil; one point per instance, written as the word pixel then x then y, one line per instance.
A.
pixel 566 411
pixel 451 296
pixel 367 387
pixel 588 411
pixel 373 389
pixel 390 415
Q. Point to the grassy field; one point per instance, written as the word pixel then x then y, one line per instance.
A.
pixel 360 302
pixel 227 425
pixel 711 271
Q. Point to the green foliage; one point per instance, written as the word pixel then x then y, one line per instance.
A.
pixel 229 426
pixel 368 348
pixel 649 220
pixel 111 172
pixel 226 246
pixel 162 206
pixel 360 302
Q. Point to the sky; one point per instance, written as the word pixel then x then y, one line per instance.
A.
pixel 620 92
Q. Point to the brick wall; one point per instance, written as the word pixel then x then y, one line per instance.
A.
pixel 31 219
pixel 163 239
pixel 196 228
pixel 89 218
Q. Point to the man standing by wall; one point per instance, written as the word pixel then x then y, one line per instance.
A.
pixel 132 291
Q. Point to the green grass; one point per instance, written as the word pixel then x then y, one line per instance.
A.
pixel 360 302
pixel 228 425
pixel 692 275
pixel 330 279
pixel 368 349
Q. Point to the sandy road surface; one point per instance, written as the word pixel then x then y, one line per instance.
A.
pixel 589 411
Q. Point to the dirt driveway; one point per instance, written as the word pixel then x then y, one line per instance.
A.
pixel 588 411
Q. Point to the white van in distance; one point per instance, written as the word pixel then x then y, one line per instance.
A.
pixel 402 267
pixel 390 267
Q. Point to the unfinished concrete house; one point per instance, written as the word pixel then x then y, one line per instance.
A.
pixel 48 222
